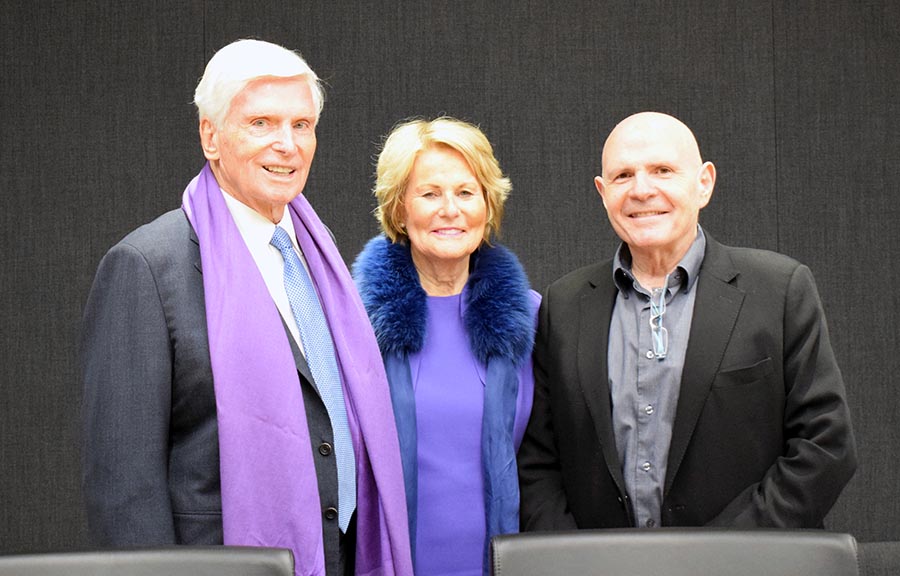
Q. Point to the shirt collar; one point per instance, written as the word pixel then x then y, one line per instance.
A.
pixel 685 274
pixel 253 226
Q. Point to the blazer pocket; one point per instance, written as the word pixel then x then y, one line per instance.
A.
pixel 198 527
pixel 744 375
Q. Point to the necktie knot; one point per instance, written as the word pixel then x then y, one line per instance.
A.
pixel 281 240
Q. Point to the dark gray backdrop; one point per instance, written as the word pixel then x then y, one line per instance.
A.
pixel 795 101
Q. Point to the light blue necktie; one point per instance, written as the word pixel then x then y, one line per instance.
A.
pixel 319 350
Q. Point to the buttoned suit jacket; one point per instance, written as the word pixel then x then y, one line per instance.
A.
pixel 150 443
pixel 762 433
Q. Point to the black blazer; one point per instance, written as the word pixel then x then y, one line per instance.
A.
pixel 762 432
pixel 151 446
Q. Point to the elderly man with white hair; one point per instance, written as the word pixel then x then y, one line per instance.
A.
pixel 234 391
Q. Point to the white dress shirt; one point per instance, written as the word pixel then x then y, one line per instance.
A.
pixel 257 231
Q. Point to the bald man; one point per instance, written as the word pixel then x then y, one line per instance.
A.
pixel 683 382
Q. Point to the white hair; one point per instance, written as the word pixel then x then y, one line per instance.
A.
pixel 237 64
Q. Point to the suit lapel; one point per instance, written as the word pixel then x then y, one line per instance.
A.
pixel 596 306
pixel 196 241
pixel 716 309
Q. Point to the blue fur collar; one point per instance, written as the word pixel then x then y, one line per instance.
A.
pixel 497 309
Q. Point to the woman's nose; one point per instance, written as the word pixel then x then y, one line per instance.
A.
pixel 448 205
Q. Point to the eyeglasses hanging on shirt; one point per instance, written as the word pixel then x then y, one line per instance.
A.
pixel 660 335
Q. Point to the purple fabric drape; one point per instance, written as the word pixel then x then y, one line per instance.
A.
pixel 269 489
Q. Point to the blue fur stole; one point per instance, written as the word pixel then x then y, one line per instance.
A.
pixel 498 316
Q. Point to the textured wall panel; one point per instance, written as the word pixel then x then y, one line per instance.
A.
pixel 95 136
pixel 838 137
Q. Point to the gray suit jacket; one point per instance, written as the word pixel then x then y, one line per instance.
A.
pixel 151 452
pixel 762 432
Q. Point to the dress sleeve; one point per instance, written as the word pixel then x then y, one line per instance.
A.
pixel 526 382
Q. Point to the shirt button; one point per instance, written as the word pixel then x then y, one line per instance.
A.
pixel 648 409
pixel 325 449
pixel 330 513
pixel 645 466
pixel 651 523
pixel 649 354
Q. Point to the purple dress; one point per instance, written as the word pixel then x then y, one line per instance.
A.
pixel 449 391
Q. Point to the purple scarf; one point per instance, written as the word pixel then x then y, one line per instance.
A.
pixel 269 490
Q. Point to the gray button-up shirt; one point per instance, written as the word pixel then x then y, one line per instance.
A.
pixel 644 387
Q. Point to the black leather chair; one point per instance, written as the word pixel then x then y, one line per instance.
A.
pixel 675 552
pixel 174 561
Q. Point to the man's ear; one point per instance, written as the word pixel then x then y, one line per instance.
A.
pixel 601 188
pixel 706 182
pixel 209 139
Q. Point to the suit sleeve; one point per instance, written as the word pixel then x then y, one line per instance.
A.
pixel 543 504
pixel 127 373
pixel 819 448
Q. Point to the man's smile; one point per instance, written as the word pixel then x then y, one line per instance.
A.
pixel 279 169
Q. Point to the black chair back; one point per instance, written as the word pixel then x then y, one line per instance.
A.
pixel 174 561
pixel 675 552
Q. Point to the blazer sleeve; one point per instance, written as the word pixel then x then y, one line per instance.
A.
pixel 525 396
pixel 819 455
pixel 127 374
pixel 543 503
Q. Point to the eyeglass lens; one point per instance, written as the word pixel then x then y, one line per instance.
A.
pixel 659 333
